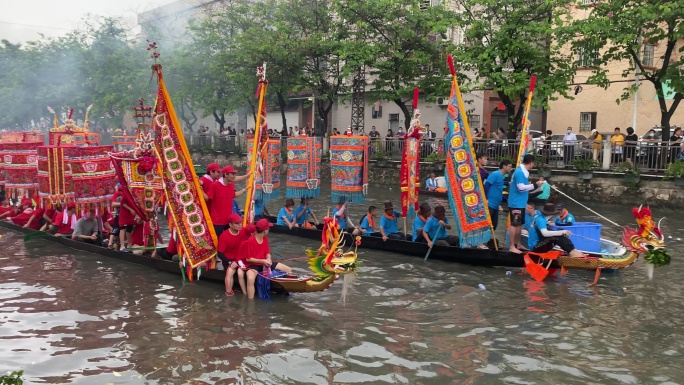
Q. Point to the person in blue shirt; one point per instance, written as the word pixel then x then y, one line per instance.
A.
pixel 431 183
pixel 419 222
pixel 494 187
pixel 302 214
pixel 340 213
pixel 435 230
pixel 236 209
pixel 286 215
pixel 368 225
pixel 260 210
pixel 541 240
pixel 389 223
pixel 564 218
pixel 542 193
pixel 517 201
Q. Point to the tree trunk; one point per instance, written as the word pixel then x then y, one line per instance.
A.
pixel 404 109
pixel 283 106
pixel 253 109
pixel 220 118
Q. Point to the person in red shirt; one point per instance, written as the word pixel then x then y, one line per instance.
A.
pixel 257 255
pixel 170 250
pixel 127 217
pixel 49 216
pixel 25 214
pixel 6 210
pixel 221 195
pixel 36 221
pixel 212 175
pixel 65 221
pixel 229 246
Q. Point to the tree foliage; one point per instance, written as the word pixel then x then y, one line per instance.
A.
pixel 402 43
pixel 619 31
pixel 507 41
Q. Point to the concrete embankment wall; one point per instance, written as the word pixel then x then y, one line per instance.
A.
pixel 603 187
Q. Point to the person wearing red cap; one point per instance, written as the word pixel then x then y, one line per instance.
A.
pixel 229 246
pixel 212 175
pixel 257 254
pixel 25 213
pixel 221 195
pixel 65 221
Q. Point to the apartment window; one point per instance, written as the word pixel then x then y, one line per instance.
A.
pixel 587 121
pixel 588 2
pixel 474 121
pixel 648 55
pixel 393 117
pixel 377 112
pixel 588 57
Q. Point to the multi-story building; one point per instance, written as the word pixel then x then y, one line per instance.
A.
pixel 595 107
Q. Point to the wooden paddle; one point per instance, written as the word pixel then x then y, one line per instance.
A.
pixel 40 234
pixel 433 244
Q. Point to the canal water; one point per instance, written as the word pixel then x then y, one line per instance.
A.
pixel 72 317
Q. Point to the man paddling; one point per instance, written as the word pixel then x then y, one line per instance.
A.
pixel 419 222
pixel 389 224
pixel 5 209
pixel 541 239
pixel 435 229
pixel 517 201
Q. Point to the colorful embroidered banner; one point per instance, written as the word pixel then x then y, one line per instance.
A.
pixel 196 236
pixel 140 176
pixel 304 167
pixel 349 167
pixel 525 135
pixel 91 175
pixel 267 178
pixel 55 185
pixel 409 174
pixel 21 161
pixel 465 190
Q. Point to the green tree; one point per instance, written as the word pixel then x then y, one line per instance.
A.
pixel 507 41
pixel 621 31
pixel 403 43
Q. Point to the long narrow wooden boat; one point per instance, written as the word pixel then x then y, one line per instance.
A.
pixel 287 284
pixel 618 257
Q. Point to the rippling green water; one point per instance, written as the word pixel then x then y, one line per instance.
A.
pixel 69 317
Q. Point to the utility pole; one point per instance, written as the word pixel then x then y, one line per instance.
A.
pixel 358 100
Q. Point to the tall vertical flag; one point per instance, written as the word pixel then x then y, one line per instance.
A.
pixel 409 173
pixel 465 189
pixel 189 216
pixel 525 134
pixel 267 179
pixel 260 141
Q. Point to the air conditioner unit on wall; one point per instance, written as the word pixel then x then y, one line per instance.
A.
pixel 443 101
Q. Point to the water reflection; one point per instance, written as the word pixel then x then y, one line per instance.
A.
pixel 77 318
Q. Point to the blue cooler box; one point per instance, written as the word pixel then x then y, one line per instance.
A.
pixel 586 236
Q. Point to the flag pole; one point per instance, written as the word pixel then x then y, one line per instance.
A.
pixel 249 202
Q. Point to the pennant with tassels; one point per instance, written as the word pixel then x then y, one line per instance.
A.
pixel 466 193
pixel 304 167
pixel 410 164
pixel 190 218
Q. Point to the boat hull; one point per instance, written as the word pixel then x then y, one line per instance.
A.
pixel 301 285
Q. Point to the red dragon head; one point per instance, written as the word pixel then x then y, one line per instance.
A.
pixel 647 237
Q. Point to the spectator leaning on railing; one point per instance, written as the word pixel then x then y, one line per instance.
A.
pixel 617 141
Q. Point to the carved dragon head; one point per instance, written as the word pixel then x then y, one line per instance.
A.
pixel 647 237
pixel 331 258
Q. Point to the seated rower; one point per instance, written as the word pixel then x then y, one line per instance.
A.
pixel 257 254
pixel 25 213
pixel 367 226
pixel 145 235
pixel 302 213
pixel 389 224
pixel 87 229
pixel 171 250
pixel 286 215
pixel 424 214
pixel 435 229
pixel 6 210
pixel 260 210
pixel 340 215
pixel 229 245
pixel 65 221
pixel 564 218
pixel 49 216
pixel 431 183
pixel 541 239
